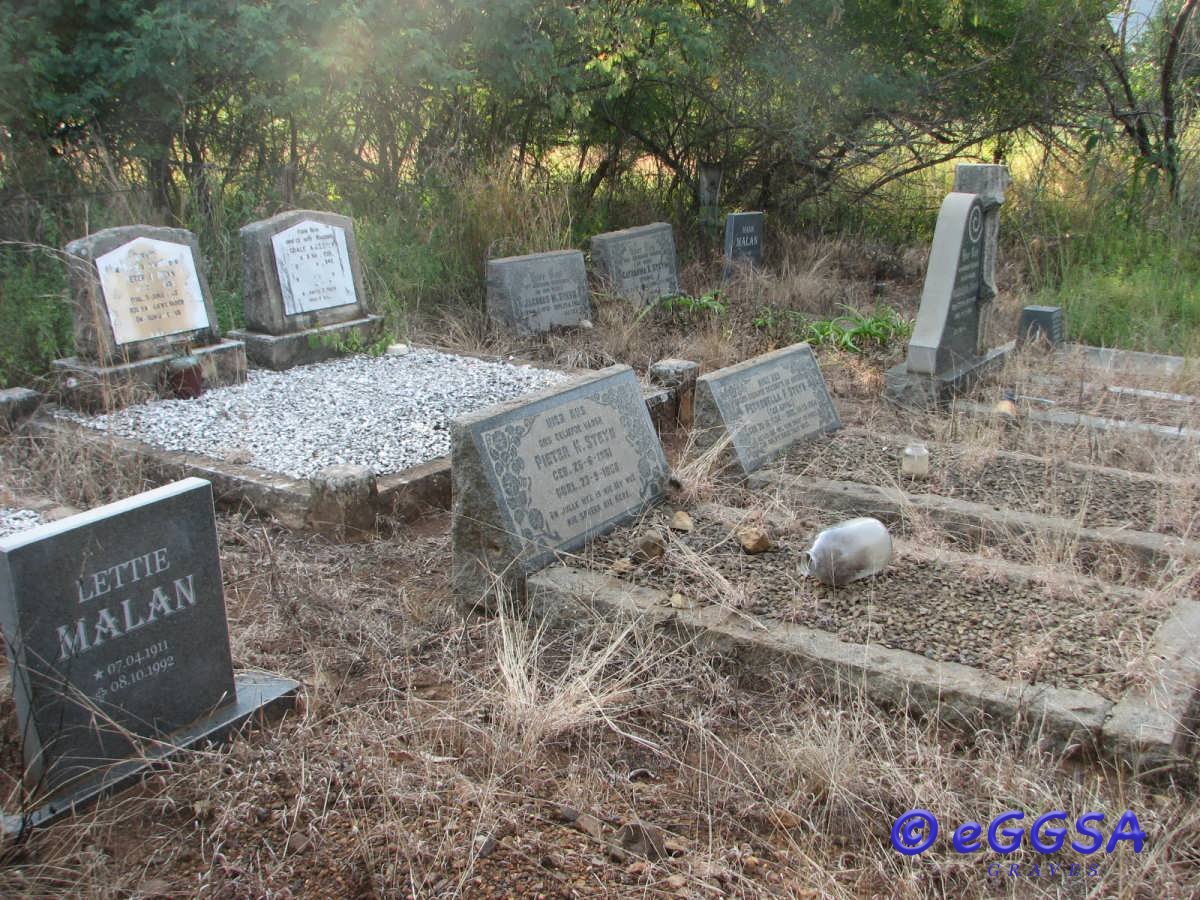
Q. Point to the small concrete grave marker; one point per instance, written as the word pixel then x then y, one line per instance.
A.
pixel 639 263
pixel 1041 322
pixel 743 240
pixel 765 404
pixel 532 294
pixel 303 289
pixel 140 300
pixel 114 623
pixel 947 350
pixel 541 475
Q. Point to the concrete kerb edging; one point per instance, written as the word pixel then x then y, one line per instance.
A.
pixel 402 496
pixel 961 696
pixel 975 520
pixel 1061 418
pixel 1153 724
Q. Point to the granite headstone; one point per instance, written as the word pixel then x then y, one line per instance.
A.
pixel 988 182
pixel 947 350
pixel 743 240
pixel 114 622
pixel 534 293
pixel 765 405
pixel 541 475
pixel 946 333
pixel 1041 323
pixel 638 263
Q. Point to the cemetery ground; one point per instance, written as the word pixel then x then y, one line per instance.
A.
pixel 433 754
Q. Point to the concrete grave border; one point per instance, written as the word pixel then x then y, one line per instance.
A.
pixel 1148 728
pixel 1147 550
pixel 404 495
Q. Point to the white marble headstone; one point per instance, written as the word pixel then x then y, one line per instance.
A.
pixel 151 290
pixel 314 267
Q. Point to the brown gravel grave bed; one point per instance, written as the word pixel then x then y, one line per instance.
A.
pixel 1001 479
pixel 1072 637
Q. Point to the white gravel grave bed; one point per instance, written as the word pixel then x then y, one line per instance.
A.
pixel 14 520
pixel 388 413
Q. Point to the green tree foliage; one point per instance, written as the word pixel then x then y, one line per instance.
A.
pixel 786 96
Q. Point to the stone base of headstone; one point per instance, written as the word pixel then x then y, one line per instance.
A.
pixel 923 391
pixel 16 404
pixel 678 376
pixel 344 502
pixel 283 351
pixel 258 694
pixel 90 386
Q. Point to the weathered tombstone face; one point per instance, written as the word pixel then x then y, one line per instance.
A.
pixel 300 271
pixel 766 404
pixel 541 475
pixel 639 262
pixel 114 620
pixel 1041 322
pixel 948 321
pixel 138 292
pixel 532 294
pixel 743 237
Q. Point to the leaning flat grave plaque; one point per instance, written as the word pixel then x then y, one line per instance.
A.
pixel 313 264
pixel 151 290
pixel 570 466
pixel 114 622
pixel 640 262
pixel 537 292
pixel 768 404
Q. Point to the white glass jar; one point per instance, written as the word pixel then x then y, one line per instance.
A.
pixel 857 548
pixel 914 462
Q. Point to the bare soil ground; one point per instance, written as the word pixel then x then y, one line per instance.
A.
pixel 433 755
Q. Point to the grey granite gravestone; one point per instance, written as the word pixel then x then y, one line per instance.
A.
pixel 114 623
pixel 765 405
pixel 541 475
pixel 944 352
pixel 534 293
pixel 638 263
pixel 743 240
pixel 140 299
pixel 1041 323
pixel 988 182
pixel 302 289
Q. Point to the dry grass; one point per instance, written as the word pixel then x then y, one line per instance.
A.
pixel 432 755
